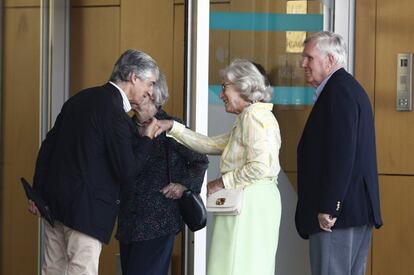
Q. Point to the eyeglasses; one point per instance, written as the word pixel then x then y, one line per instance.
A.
pixel 224 85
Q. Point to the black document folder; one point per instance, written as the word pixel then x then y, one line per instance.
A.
pixel 40 203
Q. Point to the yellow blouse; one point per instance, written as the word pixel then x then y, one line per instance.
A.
pixel 249 152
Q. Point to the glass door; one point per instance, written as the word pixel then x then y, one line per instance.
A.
pixel 271 34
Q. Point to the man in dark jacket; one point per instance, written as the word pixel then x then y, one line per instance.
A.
pixel 338 196
pixel 84 160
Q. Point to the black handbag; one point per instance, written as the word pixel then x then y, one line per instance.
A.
pixel 192 208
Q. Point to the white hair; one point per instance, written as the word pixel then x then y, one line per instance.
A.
pixel 137 62
pixel 330 43
pixel 247 79
pixel 160 91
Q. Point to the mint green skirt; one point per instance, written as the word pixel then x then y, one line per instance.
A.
pixel 246 244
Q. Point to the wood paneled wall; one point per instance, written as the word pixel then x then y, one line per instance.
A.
pixel 95 3
pixel 94 48
pixel 156 27
pixel 393 244
pixel 21 3
pixel 383 29
pixel 175 104
pixel 20 136
pixel 395 34
pixel 149 26
pixel 365 45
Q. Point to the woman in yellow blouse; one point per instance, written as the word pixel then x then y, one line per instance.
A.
pixel 244 244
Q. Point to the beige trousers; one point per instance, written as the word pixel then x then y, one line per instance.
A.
pixel 69 252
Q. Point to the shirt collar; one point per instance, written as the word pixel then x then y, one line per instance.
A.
pixel 321 86
pixel 125 101
pixel 260 105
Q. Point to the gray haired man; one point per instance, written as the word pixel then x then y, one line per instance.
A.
pixel 338 196
pixel 84 160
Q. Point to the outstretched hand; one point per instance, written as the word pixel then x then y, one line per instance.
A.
pixel 163 125
pixel 149 129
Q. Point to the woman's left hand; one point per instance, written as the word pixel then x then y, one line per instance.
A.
pixel 214 186
pixel 173 191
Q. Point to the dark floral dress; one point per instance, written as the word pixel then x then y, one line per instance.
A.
pixel 145 213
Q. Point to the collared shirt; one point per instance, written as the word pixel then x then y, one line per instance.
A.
pixel 125 101
pixel 249 152
pixel 321 86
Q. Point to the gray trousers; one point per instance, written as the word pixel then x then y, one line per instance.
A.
pixel 340 252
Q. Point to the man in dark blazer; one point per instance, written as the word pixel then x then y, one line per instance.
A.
pixel 84 160
pixel 338 196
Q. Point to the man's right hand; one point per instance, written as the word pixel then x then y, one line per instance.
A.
pixel 33 209
pixel 326 221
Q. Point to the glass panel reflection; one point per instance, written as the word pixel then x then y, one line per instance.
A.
pixel 270 33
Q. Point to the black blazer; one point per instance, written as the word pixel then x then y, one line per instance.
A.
pixel 336 157
pixel 147 214
pixel 85 158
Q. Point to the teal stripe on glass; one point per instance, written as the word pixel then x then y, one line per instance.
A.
pixel 282 95
pixel 265 21
pixel 214 94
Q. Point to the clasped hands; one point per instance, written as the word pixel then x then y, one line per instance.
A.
pixel 154 127
pixel 149 128
pixel 173 191
pixel 165 125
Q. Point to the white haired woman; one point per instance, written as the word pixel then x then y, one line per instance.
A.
pixel 149 217
pixel 243 244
